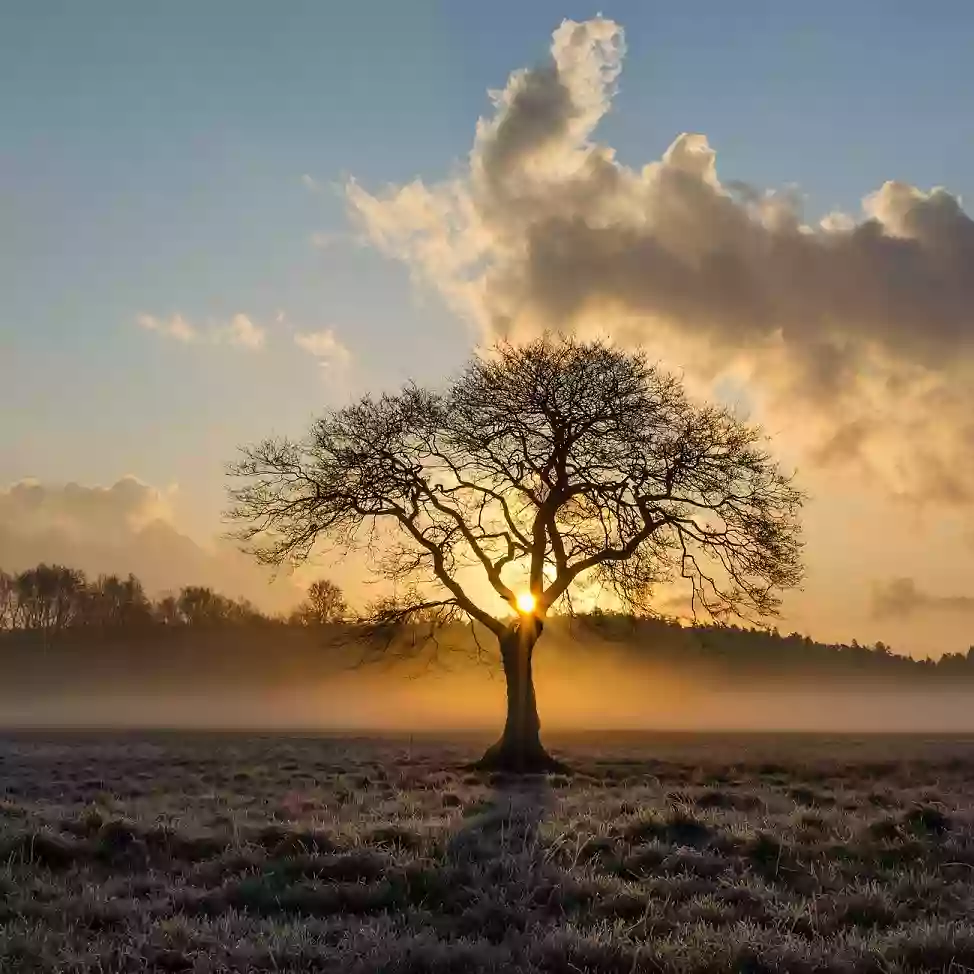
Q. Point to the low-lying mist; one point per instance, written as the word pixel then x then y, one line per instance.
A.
pixel 282 680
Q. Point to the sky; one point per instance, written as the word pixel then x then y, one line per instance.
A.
pixel 204 240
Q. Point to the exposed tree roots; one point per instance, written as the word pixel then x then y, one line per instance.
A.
pixel 518 757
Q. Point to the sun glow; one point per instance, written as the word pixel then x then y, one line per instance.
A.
pixel 525 603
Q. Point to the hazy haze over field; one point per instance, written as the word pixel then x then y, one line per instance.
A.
pixel 582 683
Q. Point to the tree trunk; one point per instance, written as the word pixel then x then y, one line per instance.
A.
pixel 519 748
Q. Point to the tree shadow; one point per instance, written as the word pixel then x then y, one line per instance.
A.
pixel 504 827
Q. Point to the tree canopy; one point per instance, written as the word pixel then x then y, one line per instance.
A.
pixel 542 468
pixel 557 463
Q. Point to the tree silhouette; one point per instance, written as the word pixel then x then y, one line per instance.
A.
pixel 323 604
pixel 111 601
pixel 8 601
pixel 542 469
pixel 48 597
pixel 166 611
pixel 198 605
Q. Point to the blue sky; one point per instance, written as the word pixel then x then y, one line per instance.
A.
pixel 152 160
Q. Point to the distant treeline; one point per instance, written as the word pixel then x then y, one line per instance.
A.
pixel 49 601
pixel 53 598
pixel 740 651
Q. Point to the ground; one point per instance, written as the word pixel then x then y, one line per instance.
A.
pixel 658 853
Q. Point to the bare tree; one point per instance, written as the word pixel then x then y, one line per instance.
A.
pixel 541 470
pixel 166 611
pixel 48 597
pixel 324 604
pixel 198 605
pixel 8 601
pixel 113 602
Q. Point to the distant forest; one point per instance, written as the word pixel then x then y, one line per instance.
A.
pixel 52 604
pixel 53 598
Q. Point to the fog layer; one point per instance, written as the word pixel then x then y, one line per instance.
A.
pixel 282 680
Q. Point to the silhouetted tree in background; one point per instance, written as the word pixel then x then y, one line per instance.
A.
pixel 111 601
pixel 324 604
pixel 53 598
pixel 541 469
pixel 48 597
pixel 201 606
pixel 166 611
pixel 8 600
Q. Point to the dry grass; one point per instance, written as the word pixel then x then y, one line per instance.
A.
pixel 232 853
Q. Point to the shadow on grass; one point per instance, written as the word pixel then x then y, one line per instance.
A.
pixel 498 856
pixel 506 823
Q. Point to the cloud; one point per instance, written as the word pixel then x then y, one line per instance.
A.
pixel 901 598
pixel 854 332
pixel 84 513
pixel 325 346
pixel 242 331
pixel 125 527
pixel 176 327
pixel 239 330
pixel 310 183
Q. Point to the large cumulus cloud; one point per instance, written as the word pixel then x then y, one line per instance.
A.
pixel 105 514
pixel 853 334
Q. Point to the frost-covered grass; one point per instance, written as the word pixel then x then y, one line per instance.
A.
pixel 683 854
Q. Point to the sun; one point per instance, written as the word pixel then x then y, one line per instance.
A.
pixel 525 603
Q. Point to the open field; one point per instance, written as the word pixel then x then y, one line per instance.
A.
pixel 659 853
